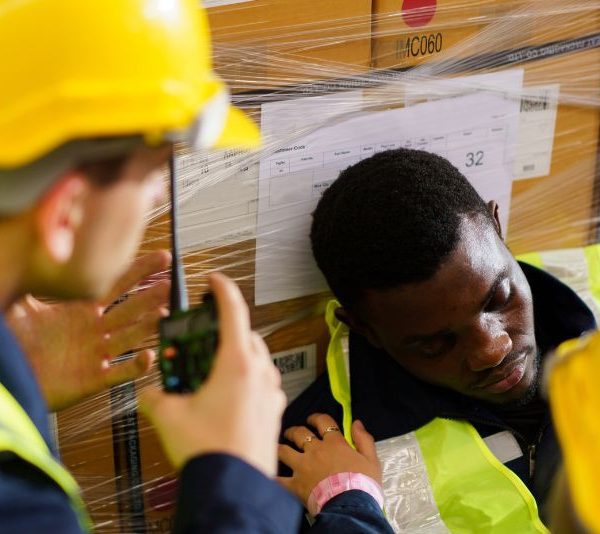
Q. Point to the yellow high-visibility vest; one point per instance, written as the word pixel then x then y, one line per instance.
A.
pixel 19 435
pixel 442 477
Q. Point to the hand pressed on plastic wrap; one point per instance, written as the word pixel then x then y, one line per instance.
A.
pixel 72 345
pixel 325 453
pixel 237 410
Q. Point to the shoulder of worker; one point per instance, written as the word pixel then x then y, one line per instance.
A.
pixel 220 493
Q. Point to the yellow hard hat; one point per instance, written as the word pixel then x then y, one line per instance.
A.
pixel 80 69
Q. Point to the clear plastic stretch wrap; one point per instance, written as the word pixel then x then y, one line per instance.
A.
pixel 507 90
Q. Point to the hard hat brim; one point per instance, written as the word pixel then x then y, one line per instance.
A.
pixel 239 131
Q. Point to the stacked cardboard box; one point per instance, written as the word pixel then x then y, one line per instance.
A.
pixel 263 44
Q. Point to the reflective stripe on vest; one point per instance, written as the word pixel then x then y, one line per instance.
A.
pixel 442 477
pixel 20 436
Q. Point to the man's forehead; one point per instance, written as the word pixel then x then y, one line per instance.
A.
pixel 479 252
pixel 458 287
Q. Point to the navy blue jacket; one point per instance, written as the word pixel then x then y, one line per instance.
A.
pixel 217 493
pixel 391 402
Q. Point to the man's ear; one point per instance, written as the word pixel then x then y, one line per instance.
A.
pixel 494 210
pixel 58 215
pixel 357 325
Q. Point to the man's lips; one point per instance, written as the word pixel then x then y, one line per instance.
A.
pixel 505 378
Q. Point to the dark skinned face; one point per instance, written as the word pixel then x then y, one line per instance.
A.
pixel 469 328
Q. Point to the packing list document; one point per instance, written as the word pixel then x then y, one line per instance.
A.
pixel 476 132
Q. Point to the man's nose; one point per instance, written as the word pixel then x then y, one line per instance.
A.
pixel 490 345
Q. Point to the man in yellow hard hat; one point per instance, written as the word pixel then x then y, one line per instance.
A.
pixel 92 96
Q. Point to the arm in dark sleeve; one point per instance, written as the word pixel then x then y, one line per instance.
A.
pixel 351 512
pixel 219 493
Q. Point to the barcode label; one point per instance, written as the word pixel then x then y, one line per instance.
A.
pixel 537 122
pixel 291 362
pixel 539 103
pixel 298 368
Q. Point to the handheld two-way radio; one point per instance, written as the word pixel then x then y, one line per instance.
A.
pixel 188 337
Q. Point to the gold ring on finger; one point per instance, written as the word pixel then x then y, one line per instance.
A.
pixel 331 429
pixel 308 439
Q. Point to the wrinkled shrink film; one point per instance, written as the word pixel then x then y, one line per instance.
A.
pixel 359 57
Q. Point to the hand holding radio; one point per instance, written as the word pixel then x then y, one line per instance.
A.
pixel 237 410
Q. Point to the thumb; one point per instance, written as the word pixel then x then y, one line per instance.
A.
pixel 365 444
pixel 153 401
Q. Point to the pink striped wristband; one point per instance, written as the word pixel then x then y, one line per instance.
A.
pixel 333 485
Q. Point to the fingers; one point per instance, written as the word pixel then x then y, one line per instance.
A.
pixel 150 400
pixel 300 436
pixel 158 405
pixel 288 456
pixel 145 266
pixel 234 318
pixel 259 345
pixel 129 311
pixel 131 369
pixel 365 444
pixel 326 426
pixel 133 336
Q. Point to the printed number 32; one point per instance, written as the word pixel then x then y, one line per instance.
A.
pixel 474 159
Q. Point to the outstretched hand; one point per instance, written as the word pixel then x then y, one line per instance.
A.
pixel 72 346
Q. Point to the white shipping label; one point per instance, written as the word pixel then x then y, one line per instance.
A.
pixel 537 121
pixel 312 139
pixel 298 368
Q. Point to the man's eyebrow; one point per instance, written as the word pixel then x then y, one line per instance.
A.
pixel 500 277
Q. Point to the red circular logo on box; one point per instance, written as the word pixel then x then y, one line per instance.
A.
pixel 417 13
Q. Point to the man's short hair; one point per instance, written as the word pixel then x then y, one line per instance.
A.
pixel 102 159
pixel 390 220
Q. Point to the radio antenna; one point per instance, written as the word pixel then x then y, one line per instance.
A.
pixel 179 296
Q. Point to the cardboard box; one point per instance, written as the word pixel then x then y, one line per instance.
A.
pixel 560 210
pixel 265 44
pixel 413 32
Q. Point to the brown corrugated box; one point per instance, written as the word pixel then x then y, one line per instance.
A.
pixel 560 210
pixel 413 32
pixel 270 43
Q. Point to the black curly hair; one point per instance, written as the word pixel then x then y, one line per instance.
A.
pixel 390 220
